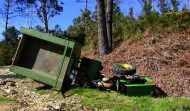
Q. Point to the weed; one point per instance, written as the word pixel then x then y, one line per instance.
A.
pixel 41 92
pixel 6 99
pixel 49 106
pixel 63 105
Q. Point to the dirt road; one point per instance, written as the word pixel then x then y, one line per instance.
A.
pixel 28 97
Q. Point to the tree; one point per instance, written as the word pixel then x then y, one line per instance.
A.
pixel 118 21
pixel 131 11
pixel 57 31
pixel 85 20
pixel 7 51
pixel 7 14
pixel 187 6
pixel 109 22
pixel 85 15
pixel 86 3
pixel 147 7
pixel 153 4
pixel 39 28
pixel 175 5
pixel 11 35
pixel 75 33
pixel 45 9
pixel 8 11
pixel 102 30
pixel 163 6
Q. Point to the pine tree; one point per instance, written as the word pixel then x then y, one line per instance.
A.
pixel 45 9
pixel 102 30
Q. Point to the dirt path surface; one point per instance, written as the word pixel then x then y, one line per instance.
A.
pixel 28 98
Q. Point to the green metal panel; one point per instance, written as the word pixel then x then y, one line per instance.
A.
pixel 92 66
pixel 45 58
pixel 140 89
pixel 36 75
pixel 45 36
pixel 59 71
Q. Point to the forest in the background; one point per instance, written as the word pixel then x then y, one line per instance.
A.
pixel 169 19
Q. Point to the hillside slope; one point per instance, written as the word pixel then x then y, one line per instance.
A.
pixel 165 58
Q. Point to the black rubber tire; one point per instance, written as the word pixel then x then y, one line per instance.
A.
pixel 123 71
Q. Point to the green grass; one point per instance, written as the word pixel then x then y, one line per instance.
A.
pixel 56 95
pixel 93 98
pixel 6 99
pixel 3 66
pixel 41 92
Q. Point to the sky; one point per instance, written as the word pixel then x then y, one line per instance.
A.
pixel 71 10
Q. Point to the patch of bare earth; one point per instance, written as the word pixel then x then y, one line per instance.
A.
pixel 165 58
pixel 29 99
pixel 9 106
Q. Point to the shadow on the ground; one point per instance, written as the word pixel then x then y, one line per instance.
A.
pixel 159 92
pixel 5 82
pixel 12 76
pixel 48 87
pixel 44 87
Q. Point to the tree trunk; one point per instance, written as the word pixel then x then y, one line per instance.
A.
pixel 7 15
pixel 45 15
pixel 102 32
pixel 152 4
pixel 86 5
pixel 187 5
pixel 7 20
pixel 109 22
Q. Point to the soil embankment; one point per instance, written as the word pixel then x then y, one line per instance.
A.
pixel 165 58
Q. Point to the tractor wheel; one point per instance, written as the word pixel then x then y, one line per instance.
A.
pixel 123 69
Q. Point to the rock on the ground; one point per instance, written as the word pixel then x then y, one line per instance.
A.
pixel 1 82
pixel 46 109
pixel 3 93
pixel 57 107
pixel 11 91
pixel 10 83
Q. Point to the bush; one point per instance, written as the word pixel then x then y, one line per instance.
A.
pixel 8 46
pixel 6 54
pixel 170 22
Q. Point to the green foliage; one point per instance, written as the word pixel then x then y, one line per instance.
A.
pixel 75 33
pixel 41 92
pixel 53 7
pixel 57 31
pixel 147 7
pixel 125 27
pixel 175 4
pixel 8 46
pixel 39 28
pixel 131 11
pixel 163 6
pixel 84 29
pixel 11 36
pixel 6 54
pixel 119 21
